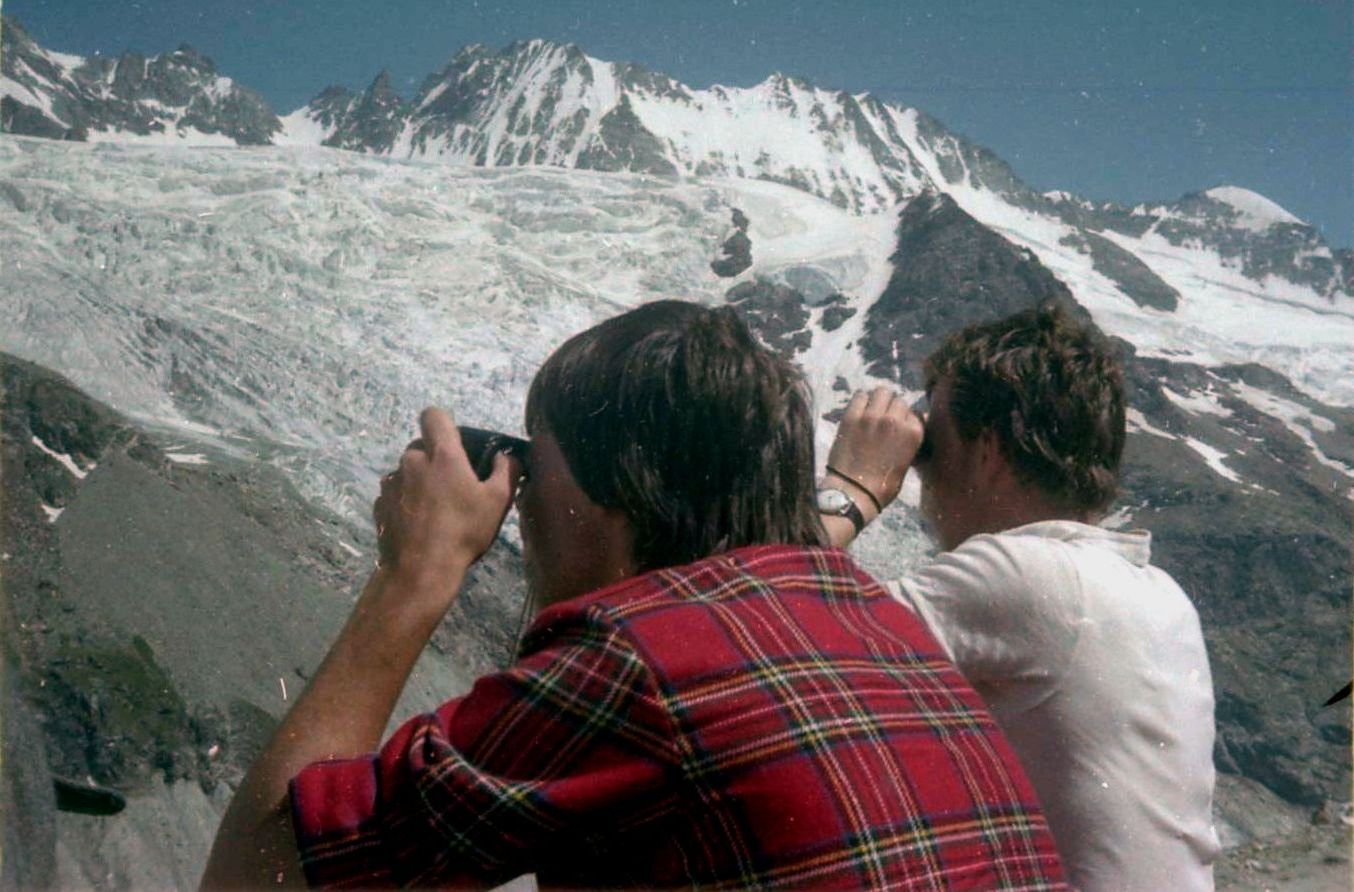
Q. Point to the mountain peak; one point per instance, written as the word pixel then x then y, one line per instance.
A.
pixel 381 83
pixel 193 59
pixel 781 81
pixel 540 46
pixel 1254 209
pixel 9 22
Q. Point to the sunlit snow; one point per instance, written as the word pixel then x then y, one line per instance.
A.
pixel 65 460
pixel 1213 458
pixel 187 458
pixel 1255 211
pixel 1200 402
pixel 301 304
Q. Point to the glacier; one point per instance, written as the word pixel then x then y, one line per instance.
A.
pixel 301 305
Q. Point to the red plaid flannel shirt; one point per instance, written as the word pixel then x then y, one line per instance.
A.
pixel 767 717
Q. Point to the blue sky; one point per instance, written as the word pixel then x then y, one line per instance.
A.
pixel 1128 100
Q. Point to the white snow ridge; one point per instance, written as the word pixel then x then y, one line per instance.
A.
pixel 1256 211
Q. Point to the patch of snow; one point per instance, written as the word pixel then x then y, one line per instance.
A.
pixel 1118 519
pixel 348 548
pixel 65 460
pixel 1297 418
pixel 1213 458
pixel 300 129
pixel 68 61
pixel 1199 402
pixel 183 458
pixel 24 95
pixel 1320 252
pixel 220 88
pixel 1138 422
pixel 52 513
pixel 433 94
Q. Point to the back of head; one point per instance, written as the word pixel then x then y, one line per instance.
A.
pixel 1052 391
pixel 676 415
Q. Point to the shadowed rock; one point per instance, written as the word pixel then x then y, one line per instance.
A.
pixel 949 271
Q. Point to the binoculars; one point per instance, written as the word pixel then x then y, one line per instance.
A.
pixel 482 445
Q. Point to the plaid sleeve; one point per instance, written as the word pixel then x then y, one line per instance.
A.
pixel 528 766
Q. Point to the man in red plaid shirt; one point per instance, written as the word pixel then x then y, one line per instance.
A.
pixel 708 697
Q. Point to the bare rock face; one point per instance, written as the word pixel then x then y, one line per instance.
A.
pixel 949 271
pixel 736 251
pixel 27 804
pixel 777 313
pixel 371 121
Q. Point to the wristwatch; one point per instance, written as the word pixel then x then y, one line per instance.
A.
pixel 836 503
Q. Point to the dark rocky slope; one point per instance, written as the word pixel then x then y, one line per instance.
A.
pixel 157 620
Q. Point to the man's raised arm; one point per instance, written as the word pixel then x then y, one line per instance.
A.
pixel 876 442
pixel 434 518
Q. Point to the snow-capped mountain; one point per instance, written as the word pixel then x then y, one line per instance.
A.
pixel 540 103
pixel 175 98
pixel 545 104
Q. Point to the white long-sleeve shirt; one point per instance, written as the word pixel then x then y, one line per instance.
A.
pixel 1093 662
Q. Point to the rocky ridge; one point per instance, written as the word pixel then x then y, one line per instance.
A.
pixel 176 96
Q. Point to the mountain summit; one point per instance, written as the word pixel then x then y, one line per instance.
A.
pixel 542 103
pixel 175 98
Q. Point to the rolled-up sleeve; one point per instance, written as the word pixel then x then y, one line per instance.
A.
pixel 533 764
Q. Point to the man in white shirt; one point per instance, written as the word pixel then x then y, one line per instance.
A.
pixel 1090 658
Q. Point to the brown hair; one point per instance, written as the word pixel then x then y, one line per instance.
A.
pixel 1051 389
pixel 676 415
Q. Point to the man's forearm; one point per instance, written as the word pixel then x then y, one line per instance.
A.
pixel 342 712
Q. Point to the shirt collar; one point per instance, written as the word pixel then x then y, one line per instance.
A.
pixel 1135 546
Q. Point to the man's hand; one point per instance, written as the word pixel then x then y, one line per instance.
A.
pixel 434 517
pixel 876 443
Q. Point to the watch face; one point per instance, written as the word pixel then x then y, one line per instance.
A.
pixel 833 501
